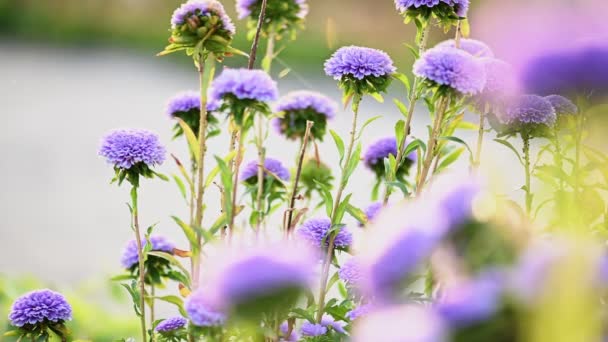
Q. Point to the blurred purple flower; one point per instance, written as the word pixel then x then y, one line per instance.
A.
pixel 187 101
pixel 501 81
pixel 171 324
pixel 408 323
pixel 202 8
pixel 125 148
pixel 351 272
pixel 312 330
pixel 472 301
pixel 316 232
pixel 360 311
pixel 453 68
pixel 305 99
pixel 529 109
pixel 159 243
pixel 455 193
pixel 373 210
pixel 359 62
pixel 562 105
pixel 330 322
pixel 201 310
pixel 272 166
pixel 474 47
pixel 244 84
pixel 39 307
pixel 293 337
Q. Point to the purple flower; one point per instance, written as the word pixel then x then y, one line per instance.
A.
pixel 273 167
pixel 529 109
pixel 244 84
pixel 171 324
pixel 259 280
pixel 453 68
pixel 389 253
pixel 188 101
pixel 244 8
pixel 202 8
pixel 501 82
pixel 359 62
pixel 124 148
pixel 293 337
pixel 472 301
pixel 312 330
pixel 408 323
pixel 307 100
pixel 562 105
pixel 350 272
pixel 316 232
pixel 455 195
pixel 360 311
pixel 472 46
pixel 130 256
pixel 38 307
pixel 373 210
pixel 381 149
pixel 461 7
pixel 330 322
pixel 202 311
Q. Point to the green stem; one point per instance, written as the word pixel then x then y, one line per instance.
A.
pixel 152 294
pixel 140 257
pixel 259 206
pixel 480 133
pixel 294 190
pixel 526 150
pixel 338 198
pixel 413 97
pixel 559 161
pixel 432 143
pixel 256 38
pixel 235 183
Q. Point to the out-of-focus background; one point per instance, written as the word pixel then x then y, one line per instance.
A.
pixel 70 70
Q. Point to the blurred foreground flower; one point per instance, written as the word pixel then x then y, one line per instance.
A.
pixel 475 47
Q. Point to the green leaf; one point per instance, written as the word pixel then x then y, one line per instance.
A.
pixel 189 232
pixel 459 141
pixel 328 199
pixel 181 186
pixel 402 108
pixel 170 258
pixel 400 132
pixel 450 158
pixel 284 72
pixel 512 148
pixel 339 214
pixel 399 185
pixel 369 121
pixel 226 177
pixel 377 96
pixel 175 300
pixel 356 213
pixel 339 143
pixel 122 277
pixel 352 163
pixel 211 176
pixel 301 313
pixel 191 138
pixel 404 79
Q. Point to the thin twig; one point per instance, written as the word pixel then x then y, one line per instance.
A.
pixel 294 191
pixel 430 150
pixel 256 39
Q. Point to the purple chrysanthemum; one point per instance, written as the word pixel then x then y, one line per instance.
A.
pixel 38 307
pixel 408 323
pixel 316 231
pixel 474 47
pixel 202 312
pixel 201 8
pixel 305 99
pixel 562 105
pixel 293 337
pixel 453 68
pixel 244 84
pixel 330 322
pixel 130 256
pixel 461 7
pixel 351 273
pixel 359 62
pixel 312 329
pixel 171 324
pixel 472 301
pixel 360 311
pixel 243 8
pixel 529 109
pixel 125 148
pixel 187 101
pixel 372 210
pixel 273 167
pixel 381 149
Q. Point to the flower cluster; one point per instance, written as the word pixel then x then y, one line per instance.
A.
pixel 187 107
pixel 283 17
pixel 297 108
pixel 156 267
pixel 528 114
pixel 170 325
pixel 317 232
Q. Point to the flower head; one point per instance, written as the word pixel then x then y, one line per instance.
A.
pixel 38 307
pixel 408 323
pixel 475 47
pixel 529 110
pixel 293 337
pixel 202 8
pixel 316 231
pixel 452 68
pixel 126 148
pixel 330 322
pixel 201 310
pixel 283 16
pixel 501 82
pixel 312 329
pixel 350 272
pixel 171 324
pixel 301 106
pixel 360 69
pixel 187 106
pixel 360 311
pixel 459 7
pixel 373 210
pixel 130 254
pixel 272 168
pixel 562 105
pixel 380 149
